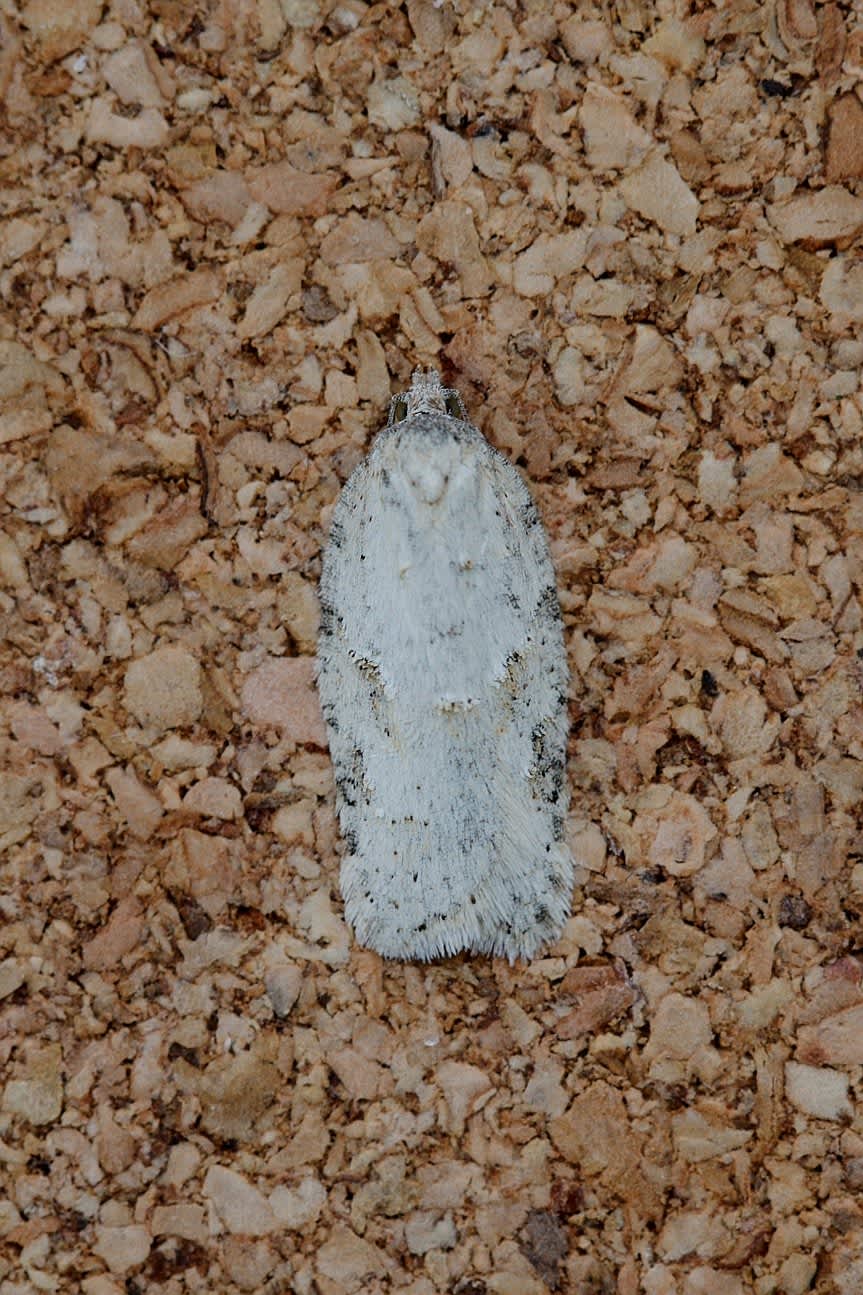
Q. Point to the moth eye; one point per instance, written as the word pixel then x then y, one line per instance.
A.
pixel 453 406
pixel 400 411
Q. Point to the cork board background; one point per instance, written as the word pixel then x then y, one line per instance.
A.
pixel 630 234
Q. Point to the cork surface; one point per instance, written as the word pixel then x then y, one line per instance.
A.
pixel 630 234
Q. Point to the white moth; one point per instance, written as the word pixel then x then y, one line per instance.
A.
pixel 443 682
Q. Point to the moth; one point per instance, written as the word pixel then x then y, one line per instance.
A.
pixel 443 682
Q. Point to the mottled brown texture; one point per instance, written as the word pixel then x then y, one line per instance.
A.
pixel 630 234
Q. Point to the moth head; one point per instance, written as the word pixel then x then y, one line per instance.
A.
pixel 426 395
